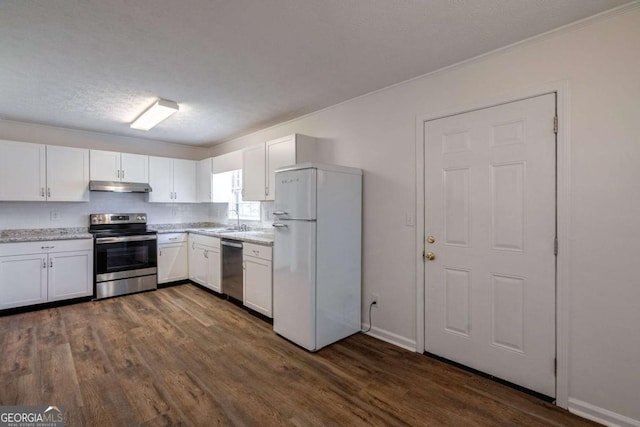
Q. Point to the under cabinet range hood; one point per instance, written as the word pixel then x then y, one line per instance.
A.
pixel 119 187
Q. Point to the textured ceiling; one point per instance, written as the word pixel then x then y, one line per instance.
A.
pixel 238 65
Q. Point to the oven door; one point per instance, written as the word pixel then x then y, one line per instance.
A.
pixel 125 257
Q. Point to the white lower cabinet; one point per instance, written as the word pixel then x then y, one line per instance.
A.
pixel 173 257
pixel 204 261
pixel 38 272
pixel 258 278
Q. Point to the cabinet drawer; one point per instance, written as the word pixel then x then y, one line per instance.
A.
pixel 199 239
pixel 19 248
pixel 172 238
pixel 258 251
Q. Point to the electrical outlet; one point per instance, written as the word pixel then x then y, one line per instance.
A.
pixel 55 215
pixel 374 299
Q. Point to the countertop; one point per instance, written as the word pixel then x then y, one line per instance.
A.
pixel 43 234
pixel 258 236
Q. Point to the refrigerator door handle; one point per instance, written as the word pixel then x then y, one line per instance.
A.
pixel 279 213
pixel 278 225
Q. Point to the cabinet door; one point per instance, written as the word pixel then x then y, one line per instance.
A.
pixel 280 152
pixel 212 256
pixel 258 285
pixel 204 181
pixel 173 262
pixel 22 171
pixel 198 265
pixel 134 168
pixel 253 173
pixel 161 179
pixel 184 181
pixel 70 275
pixel 104 165
pixel 23 280
pixel 67 174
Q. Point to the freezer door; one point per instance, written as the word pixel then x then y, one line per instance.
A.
pixel 295 194
pixel 294 281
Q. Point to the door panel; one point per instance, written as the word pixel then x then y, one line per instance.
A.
pixel 490 205
pixel 296 194
pixel 22 171
pixel 67 174
pixel 294 281
pixel 280 153
pixel 135 168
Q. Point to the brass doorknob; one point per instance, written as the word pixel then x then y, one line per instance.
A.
pixel 430 256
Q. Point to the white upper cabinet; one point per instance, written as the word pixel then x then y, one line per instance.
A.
pixel 36 172
pixel 22 171
pixel 261 162
pixel 204 181
pixel 114 166
pixel 172 180
pixel 253 173
pixel 67 174
pixel 134 168
pixel 287 151
pixel 184 181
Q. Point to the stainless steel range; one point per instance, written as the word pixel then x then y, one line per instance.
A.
pixel 125 254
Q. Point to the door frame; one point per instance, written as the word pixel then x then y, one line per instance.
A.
pixel 563 266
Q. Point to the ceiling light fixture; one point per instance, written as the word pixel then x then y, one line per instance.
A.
pixel 159 111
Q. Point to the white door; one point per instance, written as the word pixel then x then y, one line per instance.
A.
pixel 173 264
pixel 294 281
pixel 23 280
pixel 490 208
pixel 280 152
pixel 67 174
pixel 257 285
pixel 204 180
pixel 253 173
pixel 70 275
pixel 104 165
pixel 22 171
pixel 212 255
pixel 160 179
pixel 134 168
pixel 184 181
pixel 296 194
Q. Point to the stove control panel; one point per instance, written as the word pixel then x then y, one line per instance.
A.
pixel 130 218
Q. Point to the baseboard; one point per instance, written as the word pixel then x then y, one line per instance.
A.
pixel 390 337
pixel 600 415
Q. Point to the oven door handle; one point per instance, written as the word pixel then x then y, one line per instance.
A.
pixel 105 240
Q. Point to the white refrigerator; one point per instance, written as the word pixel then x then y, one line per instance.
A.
pixel 317 254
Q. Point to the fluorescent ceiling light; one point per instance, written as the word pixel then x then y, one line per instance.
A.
pixel 155 114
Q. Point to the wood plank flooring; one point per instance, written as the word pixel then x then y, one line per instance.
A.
pixel 181 356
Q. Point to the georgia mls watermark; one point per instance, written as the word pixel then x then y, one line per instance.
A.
pixel 31 416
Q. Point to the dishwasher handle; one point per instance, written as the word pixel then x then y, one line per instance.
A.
pixel 231 243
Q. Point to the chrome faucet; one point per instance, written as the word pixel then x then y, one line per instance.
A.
pixel 242 227
pixel 238 216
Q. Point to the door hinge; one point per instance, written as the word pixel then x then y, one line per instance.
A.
pixel 555 366
pixel 555 124
pixel 555 246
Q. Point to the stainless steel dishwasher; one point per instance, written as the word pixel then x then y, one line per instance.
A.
pixel 232 272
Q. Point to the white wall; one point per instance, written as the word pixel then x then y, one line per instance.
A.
pixel 41 134
pixel 18 215
pixel 601 61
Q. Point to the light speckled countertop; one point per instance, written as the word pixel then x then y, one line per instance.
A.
pixel 258 236
pixel 43 234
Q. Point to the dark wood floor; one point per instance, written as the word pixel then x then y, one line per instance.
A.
pixel 182 356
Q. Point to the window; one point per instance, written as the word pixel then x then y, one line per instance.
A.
pixel 227 188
